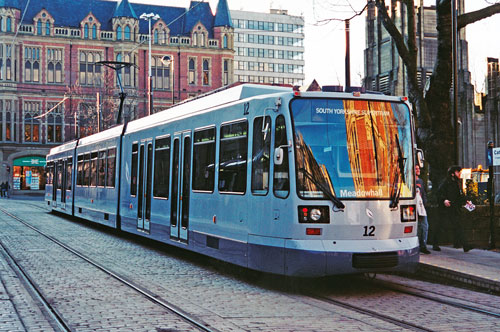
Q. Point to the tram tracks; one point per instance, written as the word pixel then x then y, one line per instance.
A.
pixel 56 317
pixel 408 323
pixel 392 317
pixel 436 297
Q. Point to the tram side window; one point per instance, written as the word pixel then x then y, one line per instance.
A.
pixel 69 173
pixel 93 169
pixel 50 173
pixel 79 178
pixel 162 167
pixel 204 160
pixel 260 155
pixel 233 157
pixel 281 180
pixel 110 176
pixel 133 170
pixel 86 169
pixel 59 174
pixel 101 169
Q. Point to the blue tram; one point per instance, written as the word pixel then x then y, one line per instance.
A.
pixel 275 180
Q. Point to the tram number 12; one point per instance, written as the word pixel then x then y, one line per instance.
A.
pixel 369 231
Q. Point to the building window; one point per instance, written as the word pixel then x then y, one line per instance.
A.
pixel 90 73
pixel 126 74
pixel 161 74
pixel 54 123
pixel 39 28
pixel 86 31
pixel 192 71
pixel 31 123
pixel 94 31
pixel 225 73
pixel 7 104
pixel 195 39
pixel 47 28
pixel 155 39
pixel 206 72
pixel 224 41
pixel 8 26
pixel 127 32
pixel 31 64
pixel 54 65
pixel 119 33
pixel 202 39
pixel 8 63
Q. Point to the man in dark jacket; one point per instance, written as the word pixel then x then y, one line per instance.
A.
pixel 451 198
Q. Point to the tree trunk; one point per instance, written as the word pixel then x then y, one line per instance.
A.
pixel 440 145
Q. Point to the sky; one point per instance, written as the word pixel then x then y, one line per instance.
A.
pixel 325 42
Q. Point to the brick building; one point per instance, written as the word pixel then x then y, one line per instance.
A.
pixel 53 90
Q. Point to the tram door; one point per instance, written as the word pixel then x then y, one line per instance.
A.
pixel 61 181
pixel 181 186
pixel 144 186
pixel 55 169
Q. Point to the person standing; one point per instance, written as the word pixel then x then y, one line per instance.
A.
pixel 423 225
pixel 3 189
pixel 451 198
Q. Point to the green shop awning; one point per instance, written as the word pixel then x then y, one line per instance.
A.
pixel 30 161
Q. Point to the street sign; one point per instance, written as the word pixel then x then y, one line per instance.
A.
pixel 496 156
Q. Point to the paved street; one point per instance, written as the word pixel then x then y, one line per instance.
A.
pixel 92 301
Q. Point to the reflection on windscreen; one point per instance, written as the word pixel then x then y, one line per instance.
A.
pixel 349 147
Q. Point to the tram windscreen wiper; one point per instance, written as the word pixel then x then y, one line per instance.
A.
pixel 325 190
pixel 396 187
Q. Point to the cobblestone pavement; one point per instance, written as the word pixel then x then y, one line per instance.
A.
pixel 223 300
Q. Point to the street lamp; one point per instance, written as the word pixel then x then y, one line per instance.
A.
pixel 168 60
pixel 149 17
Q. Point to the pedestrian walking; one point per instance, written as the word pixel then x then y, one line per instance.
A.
pixel 423 225
pixel 7 187
pixel 451 199
pixel 3 189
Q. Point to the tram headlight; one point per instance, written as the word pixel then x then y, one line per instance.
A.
pixel 408 213
pixel 314 214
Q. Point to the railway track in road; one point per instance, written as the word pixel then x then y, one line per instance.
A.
pixel 407 321
pixel 368 305
pixel 57 318
pixel 436 297
pixel 372 313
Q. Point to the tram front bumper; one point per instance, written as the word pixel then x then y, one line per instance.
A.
pixel 306 258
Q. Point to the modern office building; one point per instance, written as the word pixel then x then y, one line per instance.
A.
pixel 269 47
pixel 385 71
pixel 52 88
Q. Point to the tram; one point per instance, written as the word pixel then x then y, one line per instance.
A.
pixel 294 183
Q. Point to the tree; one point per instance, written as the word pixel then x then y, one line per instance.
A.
pixel 433 110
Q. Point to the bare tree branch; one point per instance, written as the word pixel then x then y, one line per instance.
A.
pixel 477 15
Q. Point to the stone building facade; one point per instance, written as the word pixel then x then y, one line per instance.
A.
pixel 53 89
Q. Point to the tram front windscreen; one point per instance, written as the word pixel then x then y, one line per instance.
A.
pixel 352 149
